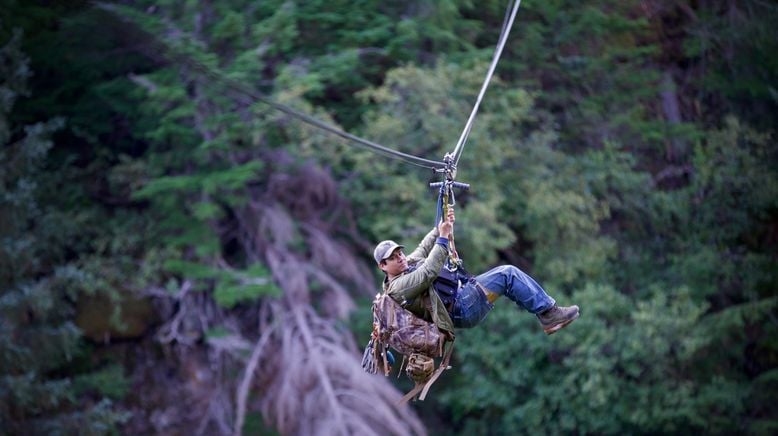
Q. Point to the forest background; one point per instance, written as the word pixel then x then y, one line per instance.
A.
pixel 176 258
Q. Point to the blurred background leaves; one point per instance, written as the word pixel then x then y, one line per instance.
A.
pixel 157 231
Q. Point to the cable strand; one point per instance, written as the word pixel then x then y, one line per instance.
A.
pixel 161 52
pixel 507 25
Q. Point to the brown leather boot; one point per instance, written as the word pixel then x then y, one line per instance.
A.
pixel 557 318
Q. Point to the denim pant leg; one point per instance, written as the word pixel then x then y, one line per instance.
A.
pixel 517 286
pixel 470 306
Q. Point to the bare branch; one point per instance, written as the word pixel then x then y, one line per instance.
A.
pixel 248 376
pixel 144 82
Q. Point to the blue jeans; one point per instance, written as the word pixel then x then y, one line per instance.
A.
pixel 471 305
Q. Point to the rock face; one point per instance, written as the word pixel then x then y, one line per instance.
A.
pixel 101 319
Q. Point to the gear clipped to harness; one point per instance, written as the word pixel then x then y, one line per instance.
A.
pixel 418 340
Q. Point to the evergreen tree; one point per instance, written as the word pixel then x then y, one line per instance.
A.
pixel 603 161
pixel 39 391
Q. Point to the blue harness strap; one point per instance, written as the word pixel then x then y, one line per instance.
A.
pixel 439 213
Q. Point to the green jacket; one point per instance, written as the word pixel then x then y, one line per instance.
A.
pixel 413 289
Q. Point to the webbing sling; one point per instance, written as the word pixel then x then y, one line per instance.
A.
pixel 424 387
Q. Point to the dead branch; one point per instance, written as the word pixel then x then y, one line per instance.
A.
pixel 144 82
pixel 171 331
pixel 311 382
pixel 248 376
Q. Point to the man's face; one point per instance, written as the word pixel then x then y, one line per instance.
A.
pixel 395 264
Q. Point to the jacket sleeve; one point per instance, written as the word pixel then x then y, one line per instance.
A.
pixel 423 250
pixel 409 286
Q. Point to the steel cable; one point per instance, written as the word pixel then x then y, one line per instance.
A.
pixel 507 24
pixel 160 51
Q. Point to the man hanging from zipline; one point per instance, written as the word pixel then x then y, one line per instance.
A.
pixel 425 283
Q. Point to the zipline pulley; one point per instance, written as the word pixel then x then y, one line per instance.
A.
pixel 447 199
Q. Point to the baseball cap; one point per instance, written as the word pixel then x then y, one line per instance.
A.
pixel 384 249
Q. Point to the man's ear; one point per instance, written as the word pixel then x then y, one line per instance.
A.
pixel 382 265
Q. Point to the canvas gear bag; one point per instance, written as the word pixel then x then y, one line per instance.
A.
pixel 418 340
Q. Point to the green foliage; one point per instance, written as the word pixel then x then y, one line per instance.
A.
pixel 229 294
pixel 232 286
pixel 737 53
pixel 592 63
pixel 109 382
pixel 427 100
pixel 561 209
pixel 211 183
pixel 626 367
pixel 255 425
pixel 37 339
pixel 663 232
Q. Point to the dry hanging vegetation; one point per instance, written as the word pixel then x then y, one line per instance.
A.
pixel 295 365
pixel 308 371
pixel 287 358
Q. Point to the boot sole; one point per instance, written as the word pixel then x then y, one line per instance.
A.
pixel 555 328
